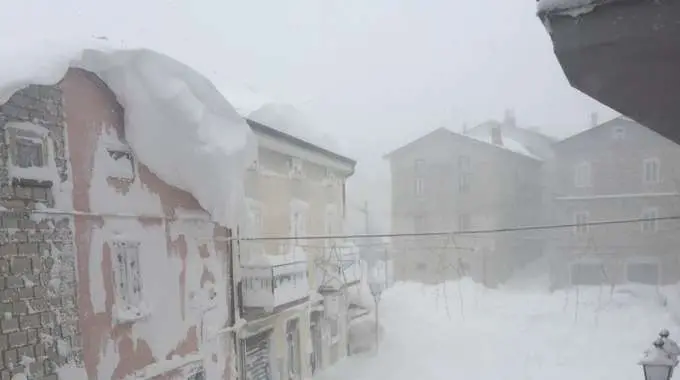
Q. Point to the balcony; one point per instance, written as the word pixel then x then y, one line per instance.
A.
pixel 623 53
pixel 271 288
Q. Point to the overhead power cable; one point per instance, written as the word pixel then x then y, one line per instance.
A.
pixel 461 232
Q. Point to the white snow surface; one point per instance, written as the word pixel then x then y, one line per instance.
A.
pixel 463 331
pixel 553 5
pixel 288 119
pixel 176 121
pixel 508 143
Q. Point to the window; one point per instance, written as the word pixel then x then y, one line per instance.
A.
pixel 419 166
pixel 643 272
pixel 122 166
pixel 332 309
pixel 330 178
pixel 295 167
pixel 619 133
pixel 298 223
pixel 652 170
pixel 650 222
pixel 464 222
pixel 255 220
pixel 198 375
pixel 421 267
pixel 463 163
pixel 464 182
pixel 420 186
pixel 581 222
pixel 293 345
pixel 29 152
pixel 127 273
pixel 254 166
pixel 587 273
pixel 582 173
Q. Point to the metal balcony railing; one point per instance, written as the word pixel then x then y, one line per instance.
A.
pixel 271 286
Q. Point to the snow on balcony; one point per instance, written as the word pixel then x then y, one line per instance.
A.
pixel 270 286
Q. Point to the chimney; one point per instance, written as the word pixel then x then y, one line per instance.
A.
pixel 496 135
pixel 510 118
pixel 464 128
pixel 593 119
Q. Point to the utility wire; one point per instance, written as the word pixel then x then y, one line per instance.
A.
pixel 460 233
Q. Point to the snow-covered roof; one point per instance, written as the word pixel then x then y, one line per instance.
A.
pixel 569 7
pixel 508 143
pixel 176 121
pixel 287 119
pixel 527 141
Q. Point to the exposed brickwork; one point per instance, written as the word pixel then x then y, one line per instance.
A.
pixel 38 312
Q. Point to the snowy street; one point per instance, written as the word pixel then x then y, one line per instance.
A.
pixel 510 334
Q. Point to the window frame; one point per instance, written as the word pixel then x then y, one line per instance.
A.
pixel 418 165
pixel 295 168
pixel 128 277
pixel 651 223
pixel 619 133
pixel 29 143
pixel 583 173
pixel 419 184
pixel 656 174
pixel 581 228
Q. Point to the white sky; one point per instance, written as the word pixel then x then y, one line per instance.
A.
pixel 374 74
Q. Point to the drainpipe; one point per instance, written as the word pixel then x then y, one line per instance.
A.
pixel 234 292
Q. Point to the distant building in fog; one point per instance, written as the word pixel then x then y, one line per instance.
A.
pixel 618 170
pixel 487 178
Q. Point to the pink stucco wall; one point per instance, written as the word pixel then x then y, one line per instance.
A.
pixel 91 109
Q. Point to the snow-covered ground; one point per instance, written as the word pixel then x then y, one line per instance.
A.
pixel 463 331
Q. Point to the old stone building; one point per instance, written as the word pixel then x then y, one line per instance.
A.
pixel 614 171
pixel 40 330
pixel 482 179
pixel 106 271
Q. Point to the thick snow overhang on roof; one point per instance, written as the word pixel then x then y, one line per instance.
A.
pixel 568 7
pixel 176 122
pixel 625 54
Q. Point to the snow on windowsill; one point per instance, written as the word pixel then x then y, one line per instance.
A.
pixel 130 314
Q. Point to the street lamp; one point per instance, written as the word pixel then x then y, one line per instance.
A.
pixel 657 364
pixel 670 346
pixel 376 284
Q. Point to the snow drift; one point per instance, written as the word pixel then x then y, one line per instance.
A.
pixel 176 122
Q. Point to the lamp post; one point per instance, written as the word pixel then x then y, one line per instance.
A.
pixel 670 346
pixel 376 284
pixel 657 364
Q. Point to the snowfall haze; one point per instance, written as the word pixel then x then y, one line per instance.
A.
pixel 329 190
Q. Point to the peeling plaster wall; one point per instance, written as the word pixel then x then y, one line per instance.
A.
pixel 184 285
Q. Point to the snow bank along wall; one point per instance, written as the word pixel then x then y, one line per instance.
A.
pixel 105 270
